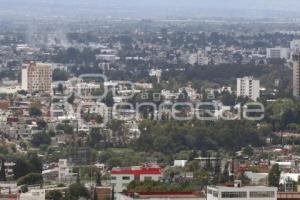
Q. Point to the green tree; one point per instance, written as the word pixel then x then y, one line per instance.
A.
pixel 29 164
pixel 248 150
pixel 228 99
pixel 60 75
pixel 274 176
pixel 35 111
pixel 98 179
pixel 60 88
pixel 192 166
pixel 94 138
pixel 71 98
pixel 30 179
pixel 51 133
pixel 54 195
pixel 24 188
pixel 2 170
pixel 21 168
pixel 77 190
pixel 41 124
pixel 109 99
pixel 34 162
pixel 66 128
pixel 40 139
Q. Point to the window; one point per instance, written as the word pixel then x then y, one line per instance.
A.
pixel 126 178
pixel 234 194
pixel 148 178
pixel 113 178
pixel 262 194
pixel 215 194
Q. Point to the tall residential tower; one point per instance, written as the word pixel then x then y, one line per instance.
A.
pixel 296 78
pixel 248 87
pixel 36 77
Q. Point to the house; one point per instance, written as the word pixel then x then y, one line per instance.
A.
pixel 180 163
pixel 50 174
pixel 121 177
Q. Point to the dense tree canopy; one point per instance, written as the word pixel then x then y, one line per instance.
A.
pixel 40 139
pixel 169 137
pixel 30 179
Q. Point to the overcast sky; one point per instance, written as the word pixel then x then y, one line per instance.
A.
pixel 244 4
pixel 144 6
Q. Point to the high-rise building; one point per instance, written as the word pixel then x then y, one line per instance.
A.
pixel 296 78
pixel 295 46
pixel 36 77
pixel 248 87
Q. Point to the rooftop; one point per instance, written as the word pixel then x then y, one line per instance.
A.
pixel 145 195
pixel 136 171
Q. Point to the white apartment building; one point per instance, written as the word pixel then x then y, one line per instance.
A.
pixel 278 52
pixel 121 177
pixel 248 87
pixel 36 77
pixel 295 46
pixel 238 192
pixel 64 171
pixel 24 78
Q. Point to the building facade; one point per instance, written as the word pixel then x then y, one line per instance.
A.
pixel 248 87
pixel 34 194
pixel 238 192
pixel 161 196
pixel 64 171
pixel 121 177
pixel 36 77
pixel 296 78
pixel 295 46
pixel 278 52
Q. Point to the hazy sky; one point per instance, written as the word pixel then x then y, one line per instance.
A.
pixel 249 4
pixel 231 4
pixel 143 6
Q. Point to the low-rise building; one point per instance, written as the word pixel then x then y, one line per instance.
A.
pixel 121 177
pixel 34 194
pixel 161 196
pixel 278 52
pixel 241 192
pixel 64 171
pixel 103 193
